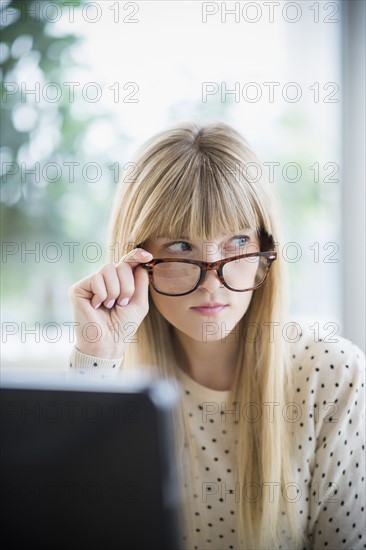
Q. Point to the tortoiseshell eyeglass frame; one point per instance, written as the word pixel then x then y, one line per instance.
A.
pixel 269 252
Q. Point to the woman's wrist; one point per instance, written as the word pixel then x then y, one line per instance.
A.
pixel 101 353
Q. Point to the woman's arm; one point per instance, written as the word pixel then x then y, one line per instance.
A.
pixel 81 364
pixel 338 515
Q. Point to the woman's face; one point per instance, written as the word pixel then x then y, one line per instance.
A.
pixel 178 310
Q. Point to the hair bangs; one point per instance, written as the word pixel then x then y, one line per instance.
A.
pixel 196 198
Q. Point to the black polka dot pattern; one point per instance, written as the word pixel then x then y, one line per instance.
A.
pixel 328 429
pixel 328 488
pixel 95 367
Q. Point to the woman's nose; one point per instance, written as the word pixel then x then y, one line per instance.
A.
pixel 211 281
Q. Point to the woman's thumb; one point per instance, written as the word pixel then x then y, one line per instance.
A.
pixel 141 294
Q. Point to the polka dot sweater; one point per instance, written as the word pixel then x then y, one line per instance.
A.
pixel 329 440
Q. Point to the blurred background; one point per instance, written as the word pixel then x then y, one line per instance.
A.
pixel 85 83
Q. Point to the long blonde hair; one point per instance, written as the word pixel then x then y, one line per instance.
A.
pixel 205 180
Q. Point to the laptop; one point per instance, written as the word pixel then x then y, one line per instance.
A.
pixel 88 463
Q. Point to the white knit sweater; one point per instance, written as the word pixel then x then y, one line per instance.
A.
pixel 329 430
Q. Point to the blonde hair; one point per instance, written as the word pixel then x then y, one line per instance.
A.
pixel 205 180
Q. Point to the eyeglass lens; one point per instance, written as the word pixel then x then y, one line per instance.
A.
pixel 240 274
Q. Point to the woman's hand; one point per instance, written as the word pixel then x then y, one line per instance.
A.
pixel 110 305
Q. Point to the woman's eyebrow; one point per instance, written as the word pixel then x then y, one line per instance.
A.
pixel 170 239
pixel 247 230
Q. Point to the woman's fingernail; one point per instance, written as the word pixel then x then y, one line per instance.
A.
pixel 124 302
pixel 145 254
pixel 97 305
pixel 110 303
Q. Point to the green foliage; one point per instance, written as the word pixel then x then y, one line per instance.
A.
pixel 34 208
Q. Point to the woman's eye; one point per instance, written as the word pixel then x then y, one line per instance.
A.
pixel 238 242
pixel 180 246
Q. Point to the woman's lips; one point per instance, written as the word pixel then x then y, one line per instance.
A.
pixel 208 310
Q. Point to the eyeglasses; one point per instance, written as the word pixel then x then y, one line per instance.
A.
pixel 174 277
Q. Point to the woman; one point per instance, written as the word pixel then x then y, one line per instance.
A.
pixel 271 421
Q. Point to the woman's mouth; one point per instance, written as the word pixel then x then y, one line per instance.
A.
pixel 209 309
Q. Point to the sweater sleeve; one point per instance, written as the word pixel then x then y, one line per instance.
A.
pixel 337 503
pixel 81 364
